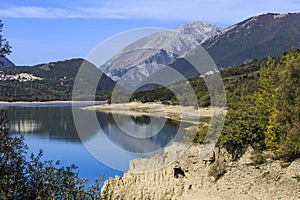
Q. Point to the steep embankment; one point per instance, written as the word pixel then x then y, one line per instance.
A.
pixel 242 180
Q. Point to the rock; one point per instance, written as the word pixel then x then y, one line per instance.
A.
pixel 247 157
pixel 210 158
pixel 241 181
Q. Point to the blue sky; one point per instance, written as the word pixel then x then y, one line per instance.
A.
pixel 49 30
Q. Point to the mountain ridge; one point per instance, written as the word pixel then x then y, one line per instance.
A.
pixel 251 39
pixel 254 38
pixel 174 43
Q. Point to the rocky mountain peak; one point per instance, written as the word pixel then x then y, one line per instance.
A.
pixel 142 57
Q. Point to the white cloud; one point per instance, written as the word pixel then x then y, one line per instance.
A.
pixel 32 12
pixel 222 11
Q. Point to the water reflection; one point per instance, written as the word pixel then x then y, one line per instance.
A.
pixel 51 122
pixel 141 120
pixel 25 126
pixel 150 139
pixel 53 129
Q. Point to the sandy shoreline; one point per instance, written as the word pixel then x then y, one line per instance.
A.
pixel 179 113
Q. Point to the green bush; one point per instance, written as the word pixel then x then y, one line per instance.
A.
pixel 201 133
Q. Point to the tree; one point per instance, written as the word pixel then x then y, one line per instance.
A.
pixel 265 102
pixel 11 163
pixel 278 102
pixel 287 105
pixel 5 49
pixel 22 178
pixel 242 128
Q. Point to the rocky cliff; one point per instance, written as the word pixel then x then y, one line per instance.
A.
pixel 189 177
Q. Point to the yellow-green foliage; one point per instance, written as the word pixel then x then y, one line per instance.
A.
pixel 279 101
pixel 272 134
pixel 268 118
pixel 200 136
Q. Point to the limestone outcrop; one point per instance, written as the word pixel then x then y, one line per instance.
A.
pixel 190 178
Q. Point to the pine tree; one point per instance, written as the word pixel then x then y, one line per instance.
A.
pixel 5 49
pixel 265 99
pixel 288 105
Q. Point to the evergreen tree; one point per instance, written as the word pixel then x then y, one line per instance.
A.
pixel 288 105
pixel 265 103
pixel 5 49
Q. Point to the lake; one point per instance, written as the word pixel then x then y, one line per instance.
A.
pixel 52 129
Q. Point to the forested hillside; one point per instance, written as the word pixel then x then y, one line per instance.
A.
pixel 56 81
pixel 263 106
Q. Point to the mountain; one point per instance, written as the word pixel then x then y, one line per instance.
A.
pixel 5 62
pixel 147 54
pixel 254 38
pixel 53 81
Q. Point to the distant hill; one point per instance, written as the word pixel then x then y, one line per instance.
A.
pixel 234 78
pixel 51 81
pixel 5 62
pixel 254 38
